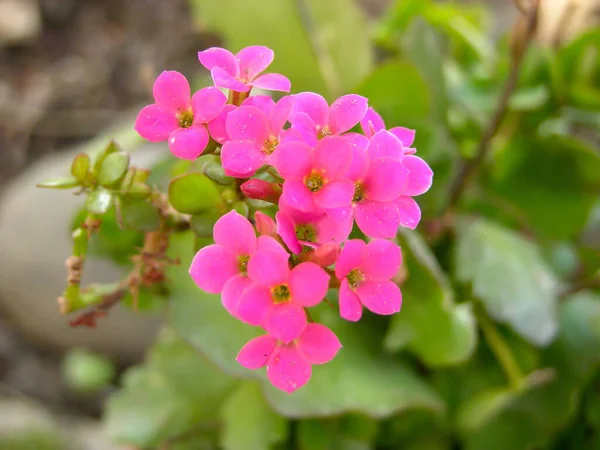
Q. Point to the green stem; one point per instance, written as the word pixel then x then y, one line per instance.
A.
pixel 501 350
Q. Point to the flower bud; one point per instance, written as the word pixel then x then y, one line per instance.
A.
pixel 324 255
pixel 261 190
pixel 265 224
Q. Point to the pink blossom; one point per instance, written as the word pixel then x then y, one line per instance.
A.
pixel 314 118
pixel 178 116
pixel 316 178
pixel 241 72
pixel 289 366
pixel 278 295
pixel 253 137
pixel 372 122
pixel 223 266
pixel 365 271
pixel 313 229
pixel 265 224
pixel 217 127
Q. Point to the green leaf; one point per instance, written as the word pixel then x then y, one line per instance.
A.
pixel 360 378
pixel 139 215
pixel 321 46
pixel 99 201
pixel 202 224
pixel 87 372
pixel 59 183
pixel 248 422
pixel 430 324
pixel 174 391
pixel 509 276
pixel 193 193
pixel 216 173
pixel 530 98
pixel 99 157
pixel 80 167
pixel 113 168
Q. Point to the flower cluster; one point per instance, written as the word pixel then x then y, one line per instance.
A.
pixel 302 154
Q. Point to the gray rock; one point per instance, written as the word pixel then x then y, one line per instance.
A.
pixel 34 242
pixel 20 21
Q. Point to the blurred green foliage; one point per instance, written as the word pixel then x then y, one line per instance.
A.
pixel 497 345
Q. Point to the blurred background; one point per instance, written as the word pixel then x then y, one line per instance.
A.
pixel 74 73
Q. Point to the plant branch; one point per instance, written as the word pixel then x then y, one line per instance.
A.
pixel 468 167
pixel 89 317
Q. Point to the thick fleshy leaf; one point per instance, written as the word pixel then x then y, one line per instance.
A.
pixel 308 284
pixel 193 193
pixel 234 231
pixel 232 292
pixel 318 343
pixel 377 220
pixel 509 276
pixel 268 268
pixel 385 145
pixel 350 305
pixel 242 158
pixel 212 267
pixel 188 143
pixel 155 123
pixel 381 297
pixel 272 82
pixel 333 155
pixel 207 104
pixel 293 160
pixel 253 304
pixel 287 369
pixel 388 179
pixel 172 91
pixel 336 194
pixel 99 201
pixel 346 112
pixel 219 57
pixel 248 123
pixel 381 260
pixel 257 352
pixel 253 60
pixel 223 79
pixel 285 321
pixel 139 214
pixel 350 258
pixel 113 168
pixel 297 195
pixel 409 211
pixel 420 175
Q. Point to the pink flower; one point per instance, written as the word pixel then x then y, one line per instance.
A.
pixel 316 178
pixel 365 271
pixel 223 267
pixel 261 190
pixel 241 72
pixel 218 126
pixel 253 137
pixel 177 117
pixel 314 118
pixel 372 122
pixel 313 229
pixel 289 366
pixel 278 295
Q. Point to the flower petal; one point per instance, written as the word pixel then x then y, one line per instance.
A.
pixel 314 106
pixel 308 284
pixel 254 60
pixel 207 104
pixel 381 260
pixel 380 297
pixel 217 126
pixel 212 267
pixel 346 112
pixel 219 57
pixel 385 145
pixel 188 143
pixel 235 232
pixel 387 179
pixel 406 135
pixel 263 102
pixel 341 215
pixel 272 82
pixel 155 123
pixel 304 128
pixel 360 164
pixel 172 90
pixel 241 158
pixel 350 306
pixel 268 268
pixel 288 369
pixel 330 231
pixel 297 195
pixel 333 155
pixel 248 123
pixel 371 123
pixel 318 343
pixel 409 212
pixel 293 159
pixel 285 321
pixel 287 230
pixel 280 113
pixel 254 304
pixel 337 194
pixel 420 175
pixel 232 293
pixel 350 257
pixel 223 79
pixel 257 352
pixel 264 224
pixel 377 220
